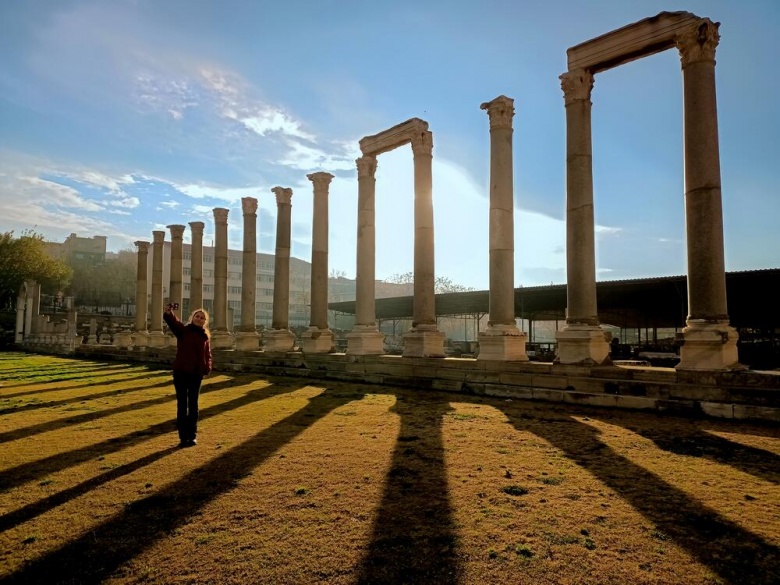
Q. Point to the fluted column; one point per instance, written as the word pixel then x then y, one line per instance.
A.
pixel 708 340
pixel 582 341
pixel 156 337
pixel 365 338
pixel 177 271
pixel 280 338
pixel 247 338
pixel 141 335
pixel 221 337
pixel 196 265
pixel 424 339
pixel 502 340
pixel 318 338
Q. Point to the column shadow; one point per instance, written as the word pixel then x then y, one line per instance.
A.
pixel 736 555
pixel 25 472
pixel 96 555
pixel 31 380
pixel 61 387
pixel 414 538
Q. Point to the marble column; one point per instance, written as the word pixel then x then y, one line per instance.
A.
pixel 196 266
pixel 20 306
pixel 365 338
pixel 30 308
pixel 176 266
pixel 582 341
pixel 140 333
pixel 247 338
pixel 319 338
pixel 709 343
pixel 502 340
pixel 156 336
pixel 221 338
pixel 424 339
pixel 279 338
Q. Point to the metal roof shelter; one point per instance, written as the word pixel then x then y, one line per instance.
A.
pixel 753 301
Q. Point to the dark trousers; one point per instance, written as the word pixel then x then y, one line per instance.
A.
pixel 187 393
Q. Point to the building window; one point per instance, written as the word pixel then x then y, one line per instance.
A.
pixel 187 286
pixel 234 290
pixel 208 273
pixel 235 261
pixel 208 288
pixel 208 259
pixel 187 270
pixel 266 292
pixel 187 255
pixel 234 276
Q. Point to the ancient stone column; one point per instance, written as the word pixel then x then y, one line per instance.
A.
pixel 709 343
pixel 20 306
pixel 502 340
pixel 247 338
pixel 196 266
pixel 279 338
pixel 156 336
pixel 582 341
pixel 424 339
pixel 365 338
pixel 221 338
pixel 318 338
pixel 177 271
pixel 141 335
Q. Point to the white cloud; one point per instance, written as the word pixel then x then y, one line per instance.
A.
pixel 307 158
pixel 128 202
pixel 35 190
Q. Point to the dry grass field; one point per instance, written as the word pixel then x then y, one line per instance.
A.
pixel 295 481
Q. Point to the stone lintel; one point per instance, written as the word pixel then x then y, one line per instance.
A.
pixel 391 138
pixel 640 39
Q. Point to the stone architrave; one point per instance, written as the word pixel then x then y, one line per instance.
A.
pixel 221 338
pixel 279 338
pixel 319 338
pixel 140 333
pixel 196 266
pixel 365 338
pixel 709 343
pixel 247 338
pixel 502 340
pixel 176 267
pixel 156 335
pixel 424 339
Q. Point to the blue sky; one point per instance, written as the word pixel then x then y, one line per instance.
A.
pixel 120 117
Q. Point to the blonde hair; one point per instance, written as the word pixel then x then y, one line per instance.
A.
pixel 205 323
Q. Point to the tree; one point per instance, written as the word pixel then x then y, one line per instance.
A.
pixel 109 283
pixel 25 258
pixel 441 284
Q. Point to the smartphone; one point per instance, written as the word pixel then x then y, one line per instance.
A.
pixel 173 306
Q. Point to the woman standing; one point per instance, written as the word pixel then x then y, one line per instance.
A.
pixel 192 363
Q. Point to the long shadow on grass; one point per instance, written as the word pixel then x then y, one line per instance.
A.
pixel 64 377
pixel 79 399
pixel 99 382
pixel 37 508
pixel 414 537
pixel 28 471
pixel 735 554
pixel 90 416
pixel 94 556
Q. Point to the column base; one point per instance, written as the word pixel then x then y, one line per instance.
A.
pixel 140 339
pixel 709 346
pixel 123 339
pixel 504 343
pixel 365 340
pixel 584 345
pixel 157 339
pixel 222 340
pixel 247 341
pixel 278 340
pixel 316 340
pixel 424 342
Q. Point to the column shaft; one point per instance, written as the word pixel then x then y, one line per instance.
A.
pixel 319 251
pixel 365 308
pixel 281 309
pixel 196 265
pixel 219 318
pixel 249 265
pixel 424 309
pixel 177 272
pixel 141 286
pixel 157 281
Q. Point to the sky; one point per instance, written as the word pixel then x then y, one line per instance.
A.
pixel 120 117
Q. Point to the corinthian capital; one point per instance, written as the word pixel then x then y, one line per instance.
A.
pixel 177 231
pixel 500 111
pixel 576 85
pixel 366 166
pixel 698 42
pixel 249 205
pixel 158 236
pixel 283 195
pixel 422 143
pixel 321 181
pixel 143 247
pixel 220 215
pixel 196 227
